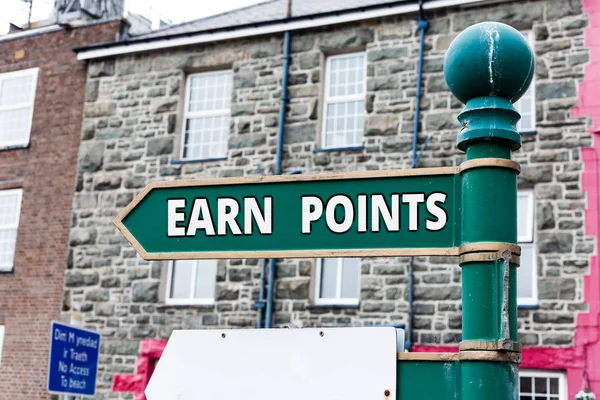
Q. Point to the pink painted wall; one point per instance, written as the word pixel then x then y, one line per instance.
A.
pixel 150 352
pixel 587 335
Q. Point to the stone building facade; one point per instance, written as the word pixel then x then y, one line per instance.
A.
pixel 132 135
pixel 39 75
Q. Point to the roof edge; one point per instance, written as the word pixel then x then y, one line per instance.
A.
pixel 231 28
pixel 54 28
pixel 104 50
pixel 261 2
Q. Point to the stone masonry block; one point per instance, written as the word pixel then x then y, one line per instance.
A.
pixel 144 292
pixel 160 146
pixel 346 40
pixel 101 109
pixel 98 69
pixel 382 125
pixel 91 155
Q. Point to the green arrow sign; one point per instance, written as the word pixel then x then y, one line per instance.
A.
pixel 385 213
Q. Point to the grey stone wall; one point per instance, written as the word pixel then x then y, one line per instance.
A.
pixel 131 134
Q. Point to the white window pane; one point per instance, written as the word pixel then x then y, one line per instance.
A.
pixel 554 386
pixel 206 137
pixel 359 122
pixel 350 278
pixel 526 104
pixel 15 125
pixel 210 91
pixel 351 124
pixel 10 201
pixel 540 385
pixel 545 385
pixel 346 75
pixel 526 107
pixel 17 96
pixel 328 278
pixel 344 124
pixel 8 241
pixel 10 206
pixel 526 384
pixel 526 273
pixel 333 83
pixel 344 107
pixel 181 279
pixel 206 276
pixel 17 90
pixel 525 123
pixel 525 216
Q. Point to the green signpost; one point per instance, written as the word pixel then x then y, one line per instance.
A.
pixel 469 211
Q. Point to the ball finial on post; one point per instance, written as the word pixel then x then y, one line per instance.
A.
pixel 489 66
pixel 489 59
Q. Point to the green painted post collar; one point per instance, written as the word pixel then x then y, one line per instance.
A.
pixel 489 60
pixel 489 119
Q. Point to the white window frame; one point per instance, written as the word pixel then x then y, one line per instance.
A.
pixel 201 114
pixel 338 300
pixel 530 373
pixel 528 194
pixel 33 72
pixel 341 99
pixel 529 238
pixel 529 37
pixel 2 330
pixel 189 301
pixel 10 192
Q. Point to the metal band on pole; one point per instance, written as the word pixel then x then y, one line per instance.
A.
pixel 494 356
pixel 490 162
pixel 488 247
pixel 487 256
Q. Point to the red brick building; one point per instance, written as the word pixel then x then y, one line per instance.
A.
pixel 42 92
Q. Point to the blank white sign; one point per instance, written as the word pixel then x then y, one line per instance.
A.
pixel 275 364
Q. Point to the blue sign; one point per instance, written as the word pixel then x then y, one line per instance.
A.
pixel 73 360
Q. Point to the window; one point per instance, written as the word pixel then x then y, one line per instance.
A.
pixel 191 282
pixel 207 114
pixel 542 385
pixel 1 342
pixel 338 281
pixel 17 95
pixel 526 104
pixel 344 101
pixel 527 272
pixel 10 208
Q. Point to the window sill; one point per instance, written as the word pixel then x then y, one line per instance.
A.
pixel 528 307
pixel 7 270
pixel 198 160
pixel 206 306
pixel 329 149
pixel 333 306
pixel 14 147
pixel 390 325
pixel 532 132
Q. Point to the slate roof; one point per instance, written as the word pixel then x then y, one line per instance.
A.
pixel 267 11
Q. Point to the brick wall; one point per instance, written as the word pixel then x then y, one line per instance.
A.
pixel 31 296
pixel 131 133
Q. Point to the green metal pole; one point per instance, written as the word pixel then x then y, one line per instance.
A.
pixel 488 67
